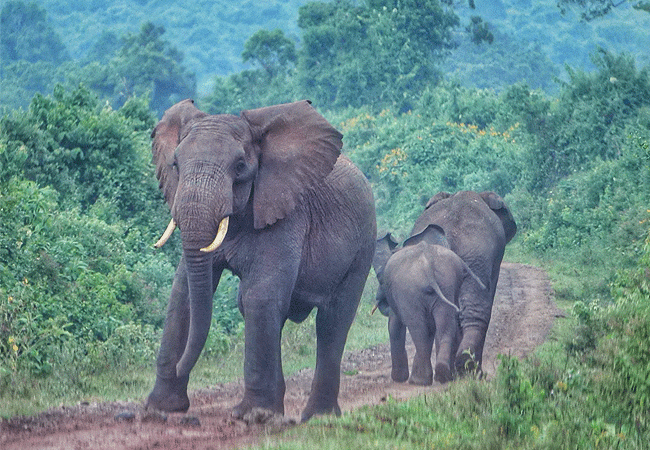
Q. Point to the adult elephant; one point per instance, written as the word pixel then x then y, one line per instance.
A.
pixel 419 287
pixel 293 219
pixel 477 226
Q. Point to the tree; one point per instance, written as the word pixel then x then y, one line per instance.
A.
pixel 378 53
pixel 27 35
pixel 147 63
pixel 271 50
pixel 593 9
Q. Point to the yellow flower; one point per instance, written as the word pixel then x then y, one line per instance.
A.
pixel 11 340
pixel 15 347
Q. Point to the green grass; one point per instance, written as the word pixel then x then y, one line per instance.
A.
pixel 76 378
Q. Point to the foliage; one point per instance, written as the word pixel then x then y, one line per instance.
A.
pixel 593 9
pixel 75 259
pixel 28 36
pixel 271 50
pixel 450 146
pixel 147 63
pixel 601 205
pixel 587 122
pixel 86 151
pixel 135 65
pixel 504 62
pixel 376 53
pixel 624 352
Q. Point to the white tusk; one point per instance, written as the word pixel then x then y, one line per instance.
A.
pixel 221 234
pixel 168 232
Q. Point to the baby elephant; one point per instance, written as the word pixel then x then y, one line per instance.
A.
pixel 419 287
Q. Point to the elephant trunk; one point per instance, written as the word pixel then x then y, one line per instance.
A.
pixel 201 210
pixel 199 273
pixel 199 223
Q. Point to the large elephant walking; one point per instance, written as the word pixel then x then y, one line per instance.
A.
pixel 293 219
pixel 477 226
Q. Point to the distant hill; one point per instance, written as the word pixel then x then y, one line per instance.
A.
pixel 211 33
pixel 566 39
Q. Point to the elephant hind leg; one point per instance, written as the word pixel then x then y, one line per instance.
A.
pixel 470 351
pixel 332 326
pixel 422 372
pixel 443 373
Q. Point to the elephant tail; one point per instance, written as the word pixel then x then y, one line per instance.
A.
pixel 438 291
pixel 473 275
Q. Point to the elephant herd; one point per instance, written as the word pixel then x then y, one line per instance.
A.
pixel 268 196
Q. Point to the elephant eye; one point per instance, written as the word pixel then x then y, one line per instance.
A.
pixel 240 168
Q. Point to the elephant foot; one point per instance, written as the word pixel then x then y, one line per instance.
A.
pixel 443 373
pixel 313 409
pixel 421 380
pixel 466 364
pixel 242 410
pixel 169 396
pixel 399 375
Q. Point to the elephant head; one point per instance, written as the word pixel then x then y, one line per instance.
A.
pixel 495 203
pixel 221 171
pixel 384 248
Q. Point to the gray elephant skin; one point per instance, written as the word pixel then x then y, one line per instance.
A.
pixel 419 287
pixel 268 196
pixel 477 227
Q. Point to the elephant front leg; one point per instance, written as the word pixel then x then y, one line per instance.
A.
pixel 399 358
pixel 170 392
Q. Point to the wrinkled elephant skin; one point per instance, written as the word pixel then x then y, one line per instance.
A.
pixel 267 196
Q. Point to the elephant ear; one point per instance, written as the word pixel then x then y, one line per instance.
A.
pixel 436 198
pixel 496 204
pixel 383 251
pixel 166 137
pixel 432 234
pixel 298 149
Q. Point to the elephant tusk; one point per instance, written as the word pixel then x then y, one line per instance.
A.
pixel 168 232
pixel 221 234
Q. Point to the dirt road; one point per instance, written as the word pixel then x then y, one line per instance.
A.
pixel 522 316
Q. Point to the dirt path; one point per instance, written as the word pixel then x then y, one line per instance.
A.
pixel 523 314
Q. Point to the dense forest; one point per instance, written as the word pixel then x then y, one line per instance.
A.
pixel 430 96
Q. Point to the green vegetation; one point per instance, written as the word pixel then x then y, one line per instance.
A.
pixel 82 293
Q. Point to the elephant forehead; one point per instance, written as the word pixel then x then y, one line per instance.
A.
pixel 218 126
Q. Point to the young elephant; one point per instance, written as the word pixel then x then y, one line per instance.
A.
pixel 419 287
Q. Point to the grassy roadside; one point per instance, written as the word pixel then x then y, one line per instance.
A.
pixel 77 379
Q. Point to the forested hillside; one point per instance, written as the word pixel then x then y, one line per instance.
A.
pixel 210 33
pixel 80 283
pixel 532 41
